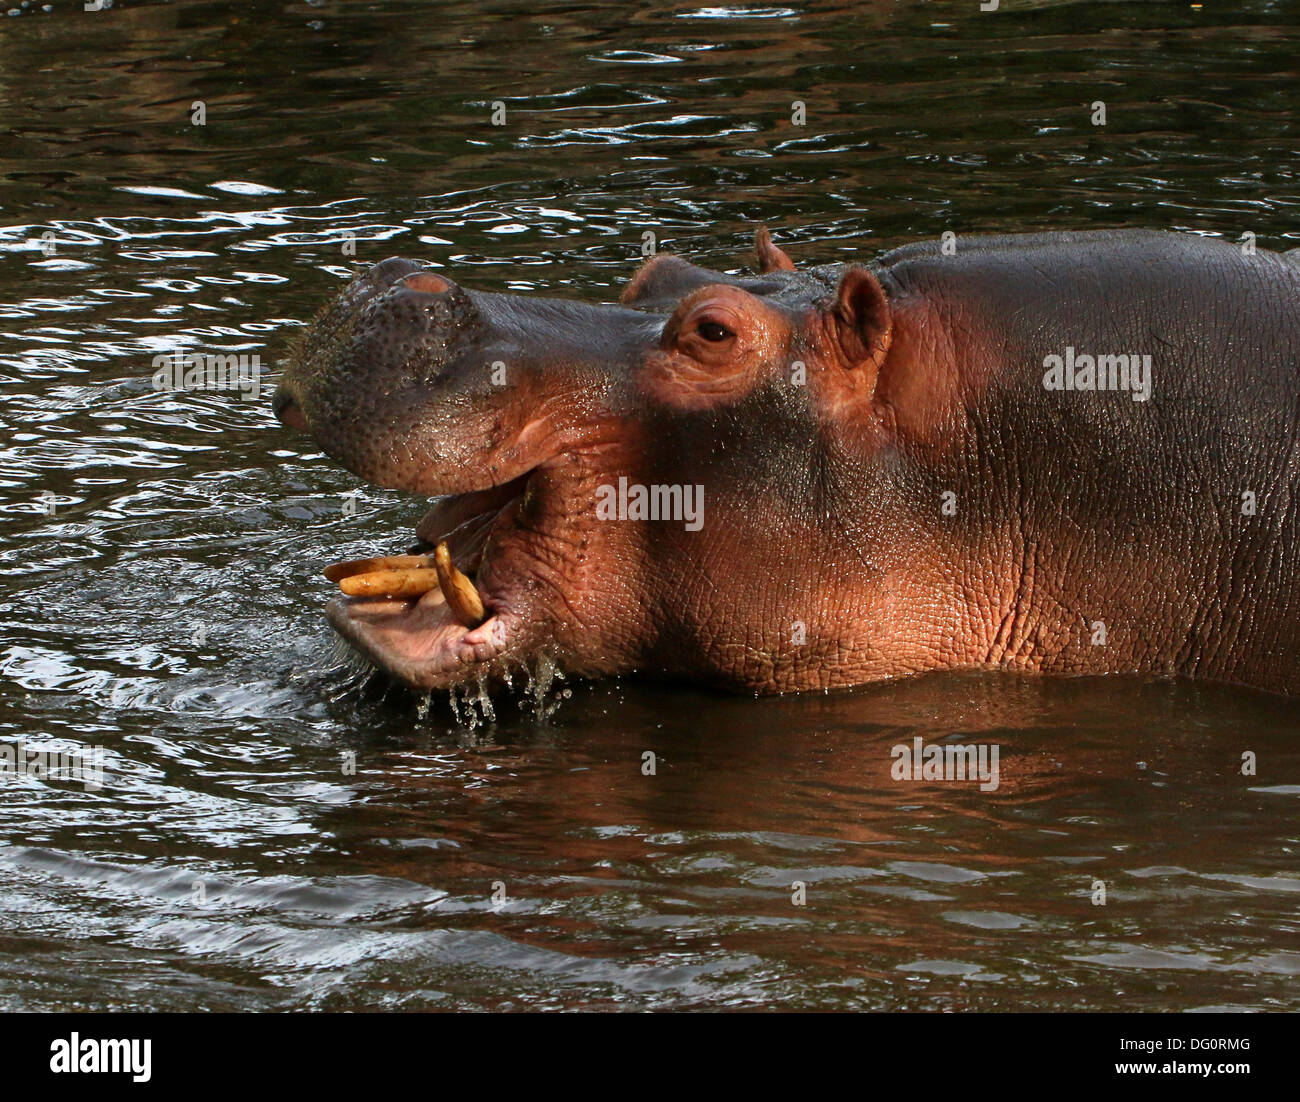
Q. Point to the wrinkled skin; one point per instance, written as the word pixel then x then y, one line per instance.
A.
pixel 912 499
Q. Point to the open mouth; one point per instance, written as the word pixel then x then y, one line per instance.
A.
pixel 435 619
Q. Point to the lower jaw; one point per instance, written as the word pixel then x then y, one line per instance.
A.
pixel 418 643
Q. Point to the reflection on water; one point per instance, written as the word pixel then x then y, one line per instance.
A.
pixel 159 550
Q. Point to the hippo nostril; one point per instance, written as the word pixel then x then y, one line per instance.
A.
pixel 378 279
pixel 427 283
pixel 387 272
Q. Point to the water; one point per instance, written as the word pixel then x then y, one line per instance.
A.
pixel 277 830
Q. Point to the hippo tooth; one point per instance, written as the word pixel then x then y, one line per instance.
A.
pixel 462 598
pixel 340 570
pixel 390 583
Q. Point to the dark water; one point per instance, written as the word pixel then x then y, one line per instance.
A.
pixel 169 609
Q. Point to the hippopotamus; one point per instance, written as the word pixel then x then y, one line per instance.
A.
pixel 1056 453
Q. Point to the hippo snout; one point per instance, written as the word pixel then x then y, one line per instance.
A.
pixel 398 327
pixel 287 409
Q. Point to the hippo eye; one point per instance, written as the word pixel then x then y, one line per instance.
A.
pixel 713 331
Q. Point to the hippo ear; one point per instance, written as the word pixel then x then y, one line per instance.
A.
pixel 770 258
pixel 863 319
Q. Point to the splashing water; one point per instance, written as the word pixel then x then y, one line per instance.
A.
pixel 540 683
pixel 472 705
pixel 485 701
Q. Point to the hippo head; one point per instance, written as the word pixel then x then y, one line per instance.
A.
pixel 676 484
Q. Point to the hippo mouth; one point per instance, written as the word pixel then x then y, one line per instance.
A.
pixel 431 625
pixel 520 416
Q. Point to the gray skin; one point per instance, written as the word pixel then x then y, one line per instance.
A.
pixel 913 498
